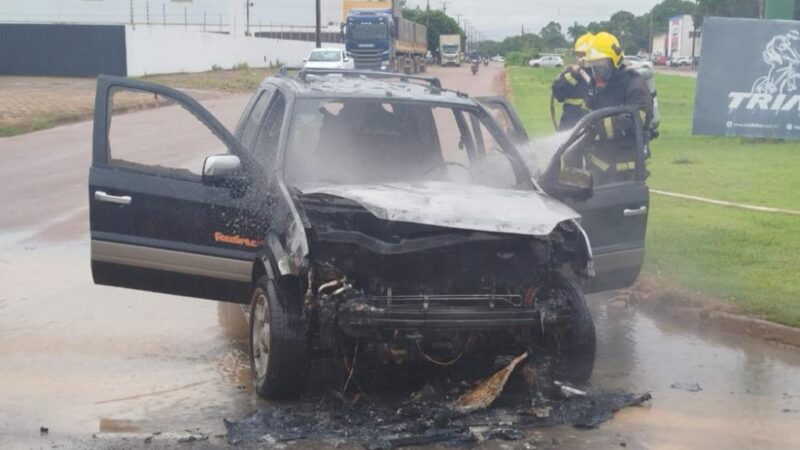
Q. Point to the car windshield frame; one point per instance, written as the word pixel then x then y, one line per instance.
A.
pixel 523 177
pixel 449 48
pixel 336 53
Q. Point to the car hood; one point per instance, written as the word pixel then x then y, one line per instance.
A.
pixel 458 206
pixel 324 65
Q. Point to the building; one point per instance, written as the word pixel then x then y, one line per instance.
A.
pixel 138 37
pixel 681 38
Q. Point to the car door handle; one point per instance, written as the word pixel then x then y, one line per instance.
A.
pixel 635 212
pixel 117 200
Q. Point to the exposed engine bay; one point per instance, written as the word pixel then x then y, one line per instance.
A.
pixel 409 292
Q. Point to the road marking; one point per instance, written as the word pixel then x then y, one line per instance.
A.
pixel 728 204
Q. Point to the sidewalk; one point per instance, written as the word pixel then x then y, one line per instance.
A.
pixel 679 71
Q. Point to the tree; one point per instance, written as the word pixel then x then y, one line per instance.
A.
pixel 576 30
pixel 552 36
pixel 727 8
pixel 668 9
pixel 438 23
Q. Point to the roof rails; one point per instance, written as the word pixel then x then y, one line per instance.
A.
pixel 303 73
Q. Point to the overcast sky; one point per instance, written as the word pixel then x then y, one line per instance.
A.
pixel 495 18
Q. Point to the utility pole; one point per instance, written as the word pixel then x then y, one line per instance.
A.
pixel 444 4
pixel 131 12
pixel 458 19
pixel 247 25
pixel 147 11
pixel 164 13
pixel 319 25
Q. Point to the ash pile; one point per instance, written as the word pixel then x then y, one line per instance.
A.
pixel 458 405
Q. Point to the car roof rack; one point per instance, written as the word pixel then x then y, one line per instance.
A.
pixel 303 73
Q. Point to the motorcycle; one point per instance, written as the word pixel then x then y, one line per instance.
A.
pixel 475 66
pixel 486 62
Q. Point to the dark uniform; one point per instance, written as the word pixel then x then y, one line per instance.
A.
pixel 570 89
pixel 614 155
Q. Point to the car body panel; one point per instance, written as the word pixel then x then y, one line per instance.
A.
pixel 465 207
pixel 614 217
pixel 144 232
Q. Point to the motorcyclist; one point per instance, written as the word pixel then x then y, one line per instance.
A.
pixel 571 86
pixel 475 65
pixel 614 155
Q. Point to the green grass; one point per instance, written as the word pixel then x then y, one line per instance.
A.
pixel 40 122
pixel 746 258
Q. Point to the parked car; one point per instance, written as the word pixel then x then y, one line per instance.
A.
pixel 680 61
pixel 660 60
pixel 547 61
pixel 371 214
pixel 498 59
pixel 329 58
pixel 638 63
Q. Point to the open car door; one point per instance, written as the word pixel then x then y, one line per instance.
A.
pixel 613 212
pixel 170 211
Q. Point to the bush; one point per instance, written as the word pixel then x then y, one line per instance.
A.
pixel 216 67
pixel 521 58
pixel 242 66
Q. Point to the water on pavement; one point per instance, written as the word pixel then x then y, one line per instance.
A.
pixel 81 359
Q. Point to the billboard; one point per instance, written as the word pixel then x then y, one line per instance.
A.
pixel 749 86
pixel 674 36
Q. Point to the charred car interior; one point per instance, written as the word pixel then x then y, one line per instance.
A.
pixel 365 214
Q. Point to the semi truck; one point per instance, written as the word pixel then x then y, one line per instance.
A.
pixel 450 49
pixel 377 37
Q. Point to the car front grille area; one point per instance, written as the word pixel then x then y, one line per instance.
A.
pixel 367 59
pixel 426 302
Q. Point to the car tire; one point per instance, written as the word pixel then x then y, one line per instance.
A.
pixel 535 66
pixel 558 66
pixel 575 348
pixel 278 344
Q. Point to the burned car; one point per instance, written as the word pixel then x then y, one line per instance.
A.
pixel 366 213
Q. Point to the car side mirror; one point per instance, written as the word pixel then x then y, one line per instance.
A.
pixel 305 60
pixel 222 170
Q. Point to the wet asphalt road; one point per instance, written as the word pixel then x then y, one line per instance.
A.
pixel 104 367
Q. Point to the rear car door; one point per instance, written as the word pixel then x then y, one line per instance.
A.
pixel 614 216
pixel 156 223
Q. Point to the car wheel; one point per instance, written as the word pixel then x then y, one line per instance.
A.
pixel 558 66
pixel 574 347
pixel 278 350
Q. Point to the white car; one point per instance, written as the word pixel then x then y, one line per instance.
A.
pixel 498 59
pixel 329 58
pixel 637 62
pixel 547 61
pixel 680 61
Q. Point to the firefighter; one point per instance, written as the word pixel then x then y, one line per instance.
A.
pixel 614 155
pixel 571 86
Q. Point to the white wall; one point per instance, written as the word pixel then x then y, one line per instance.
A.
pixel 154 49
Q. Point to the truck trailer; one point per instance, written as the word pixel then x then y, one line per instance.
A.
pixel 450 49
pixel 379 38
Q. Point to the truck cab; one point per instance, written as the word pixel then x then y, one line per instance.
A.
pixel 368 38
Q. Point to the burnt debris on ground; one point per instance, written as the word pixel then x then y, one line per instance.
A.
pixel 430 414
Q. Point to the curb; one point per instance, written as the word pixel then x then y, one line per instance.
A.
pixel 661 298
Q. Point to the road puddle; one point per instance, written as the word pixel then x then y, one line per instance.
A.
pixel 85 360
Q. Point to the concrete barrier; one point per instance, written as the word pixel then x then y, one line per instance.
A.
pixel 154 49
